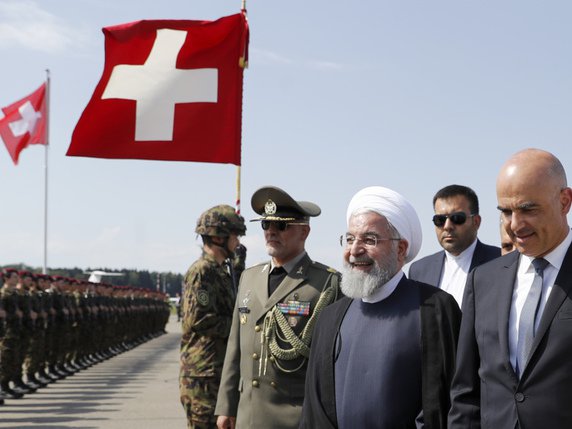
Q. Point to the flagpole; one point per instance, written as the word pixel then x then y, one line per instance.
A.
pixel 45 266
pixel 243 8
pixel 238 189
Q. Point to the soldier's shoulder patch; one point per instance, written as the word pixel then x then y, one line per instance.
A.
pixel 203 297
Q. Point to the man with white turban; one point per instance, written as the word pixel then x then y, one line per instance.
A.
pixel 383 356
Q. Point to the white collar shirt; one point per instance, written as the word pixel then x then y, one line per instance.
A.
pixel 522 285
pixel 455 272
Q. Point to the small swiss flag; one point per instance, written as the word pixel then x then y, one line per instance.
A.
pixel 24 123
pixel 170 90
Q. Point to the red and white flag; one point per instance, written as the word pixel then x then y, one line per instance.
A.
pixel 25 123
pixel 170 90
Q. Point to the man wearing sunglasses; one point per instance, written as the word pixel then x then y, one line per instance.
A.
pixel 457 222
pixel 277 306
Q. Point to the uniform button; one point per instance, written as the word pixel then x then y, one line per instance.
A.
pixel 257 328
pixel 272 358
pixel 519 397
pixel 273 384
pixel 255 383
pixel 255 356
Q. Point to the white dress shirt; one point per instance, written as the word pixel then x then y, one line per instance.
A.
pixel 455 272
pixel 522 285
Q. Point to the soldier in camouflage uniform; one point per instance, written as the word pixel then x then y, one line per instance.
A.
pixel 2 331
pixel 9 343
pixel 34 355
pixel 46 315
pixel 27 332
pixel 207 305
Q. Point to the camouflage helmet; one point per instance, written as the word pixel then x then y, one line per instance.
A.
pixel 220 221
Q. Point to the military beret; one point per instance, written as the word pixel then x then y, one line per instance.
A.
pixel 7 272
pixel 24 273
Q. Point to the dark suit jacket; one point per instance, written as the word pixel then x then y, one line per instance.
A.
pixel 440 321
pixel 486 392
pixel 430 268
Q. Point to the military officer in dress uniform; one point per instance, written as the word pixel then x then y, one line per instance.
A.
pixel 278 303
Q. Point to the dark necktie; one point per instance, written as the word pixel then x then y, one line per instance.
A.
pixel 529 315
pixel 275 278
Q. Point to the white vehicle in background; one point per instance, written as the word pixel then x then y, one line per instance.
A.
pixel 96 276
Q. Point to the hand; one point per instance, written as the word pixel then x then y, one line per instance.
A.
pixel 240 251
pixel 225 422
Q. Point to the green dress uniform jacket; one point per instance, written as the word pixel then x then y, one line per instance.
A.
pixel 254 388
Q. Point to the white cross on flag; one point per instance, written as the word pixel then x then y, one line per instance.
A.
pixel 170 90
pixel 24 123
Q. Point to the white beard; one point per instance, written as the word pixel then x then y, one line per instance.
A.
pixel 358 284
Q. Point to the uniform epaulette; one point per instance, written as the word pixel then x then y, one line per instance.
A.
pixel 324 267
pixel 261 264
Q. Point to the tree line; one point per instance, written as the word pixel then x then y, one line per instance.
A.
pixel 165 281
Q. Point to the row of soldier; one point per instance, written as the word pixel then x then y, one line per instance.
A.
pixel 53 326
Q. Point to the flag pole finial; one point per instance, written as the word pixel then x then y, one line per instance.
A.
pixel 243 7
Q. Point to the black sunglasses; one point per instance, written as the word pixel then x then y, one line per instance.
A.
pixel 280 224
pixel 458 218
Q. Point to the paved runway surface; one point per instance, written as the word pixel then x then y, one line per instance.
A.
pixel 137 389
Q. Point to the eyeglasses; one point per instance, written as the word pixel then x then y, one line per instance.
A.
pixel 281 225
pixel 458 218
pixel 368 240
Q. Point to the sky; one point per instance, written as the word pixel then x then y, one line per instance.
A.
pixel 412 95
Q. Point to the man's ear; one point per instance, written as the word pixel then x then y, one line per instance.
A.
pixel 402 247
pixel 305 231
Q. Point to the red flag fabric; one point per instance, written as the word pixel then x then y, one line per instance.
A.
pixel 25 123
pixel 170 90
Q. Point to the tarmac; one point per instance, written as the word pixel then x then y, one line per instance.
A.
pixel 137 389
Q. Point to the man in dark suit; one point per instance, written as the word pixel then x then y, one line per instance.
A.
pixel 457 222
pixel 514 365
pixel 382 357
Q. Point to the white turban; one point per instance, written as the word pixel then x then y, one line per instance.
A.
pixel 396 209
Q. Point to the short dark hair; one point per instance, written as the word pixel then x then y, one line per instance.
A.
pixel 455 190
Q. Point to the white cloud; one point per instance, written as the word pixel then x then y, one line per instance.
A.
pixel 263 57
pixel 26 24
pixel 268 57
pixel 325 65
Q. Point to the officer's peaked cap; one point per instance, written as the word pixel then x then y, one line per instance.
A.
pixel 274 204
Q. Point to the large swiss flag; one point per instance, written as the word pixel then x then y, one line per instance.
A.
pixel 170 90
pixel 25 123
